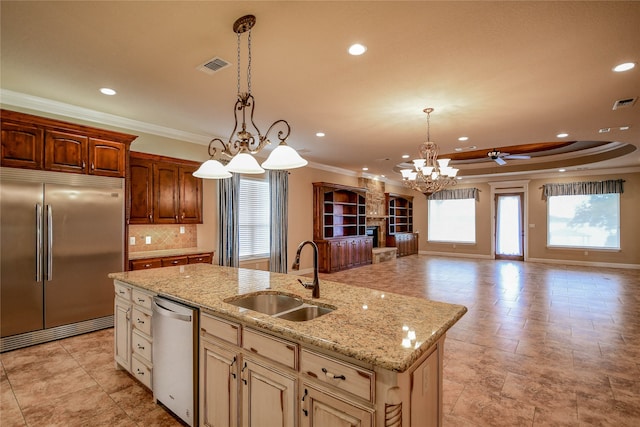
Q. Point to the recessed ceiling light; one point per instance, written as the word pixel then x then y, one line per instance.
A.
pixel 107 91
pixel 405 156
pixel 562 135
pixel 463 138
pixel 604 130
pixel 624 127
pixel 357 49
pixel 365 169
pixel 561 170
pixel 626 66
pixel 320 134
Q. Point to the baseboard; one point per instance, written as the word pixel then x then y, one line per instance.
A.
pixel 585 263
pixel 455 254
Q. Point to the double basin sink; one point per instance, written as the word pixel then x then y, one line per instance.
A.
pixel 282 306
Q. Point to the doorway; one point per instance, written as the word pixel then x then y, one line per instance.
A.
pixel 509 226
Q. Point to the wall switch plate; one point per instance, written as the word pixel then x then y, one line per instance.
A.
pixel 181 229
pixel 132 240
pixel 147 240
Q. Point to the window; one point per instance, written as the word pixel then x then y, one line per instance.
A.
pixel 253 218
pixel 584 221
pixel 452 220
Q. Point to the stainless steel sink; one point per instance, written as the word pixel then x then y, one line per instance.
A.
pixel 305 313
pixel 267 303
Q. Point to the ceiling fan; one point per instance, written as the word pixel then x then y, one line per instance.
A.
pixel 498 156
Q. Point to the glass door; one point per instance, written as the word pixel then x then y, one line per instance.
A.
pixel 509 226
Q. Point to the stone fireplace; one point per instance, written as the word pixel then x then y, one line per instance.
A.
pixel 376 210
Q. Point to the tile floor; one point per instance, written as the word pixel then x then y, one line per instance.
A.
pixel 541 345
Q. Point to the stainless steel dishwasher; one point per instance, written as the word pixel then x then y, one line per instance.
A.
pixel 175 357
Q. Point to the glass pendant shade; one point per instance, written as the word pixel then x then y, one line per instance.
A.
pixel 212 169
pixel 443 163
pixel 284 157
pixel 243 162
pixel 419 163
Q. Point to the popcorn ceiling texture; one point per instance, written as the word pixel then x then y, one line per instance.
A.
pixel 163 237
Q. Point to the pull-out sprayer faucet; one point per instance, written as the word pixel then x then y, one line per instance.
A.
pixel 315 285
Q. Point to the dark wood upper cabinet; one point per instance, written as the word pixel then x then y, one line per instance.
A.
pixel 34 142
pixel 65 152
pixel 22 145
pixel 190 196
pixel 164 191
pixel 141 177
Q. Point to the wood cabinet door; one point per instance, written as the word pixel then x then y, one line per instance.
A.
pixel 218 386
pixel 106 158
pixel 190 196
pixel 122 332
pixel 166 193
pixel 319 409
pixel 22 146
pixel 65 152
pixel 268 396
pixel 141 191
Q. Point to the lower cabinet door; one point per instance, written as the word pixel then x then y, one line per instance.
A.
pixel 218 386
pixel 268 396
pixel 320 409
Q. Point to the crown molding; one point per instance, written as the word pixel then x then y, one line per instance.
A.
pixel 17 99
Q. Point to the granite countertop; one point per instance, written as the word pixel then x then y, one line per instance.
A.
pixel 167 252
pixel 368 325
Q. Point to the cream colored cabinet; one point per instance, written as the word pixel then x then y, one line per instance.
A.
pixel 218 385
pixel 268 393
pixel 132 332
pixel 322 409
pixel 122 327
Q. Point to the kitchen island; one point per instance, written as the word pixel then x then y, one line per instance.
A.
pixel 375 359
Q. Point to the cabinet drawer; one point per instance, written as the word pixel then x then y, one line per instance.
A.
pixel 176 260
pixel 141 345
pixel 202 258
pixel 122 290
pixel 142 321
pixel 143 264
pixel 347 377
pixel 141 371
pixel 220 328
pixel 141 299
pixel 276 349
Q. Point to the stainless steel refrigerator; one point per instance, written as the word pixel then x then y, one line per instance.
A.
pixel 61 235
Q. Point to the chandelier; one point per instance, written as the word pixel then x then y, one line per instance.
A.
pixel 429 174
pixel 241 146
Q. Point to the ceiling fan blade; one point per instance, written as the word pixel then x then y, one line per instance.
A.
pixel 499 161
pixel 516 157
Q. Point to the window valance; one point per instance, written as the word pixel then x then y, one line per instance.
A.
pixel 458 193
pixel 583 188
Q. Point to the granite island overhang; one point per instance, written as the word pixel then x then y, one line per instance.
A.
pixel 387 330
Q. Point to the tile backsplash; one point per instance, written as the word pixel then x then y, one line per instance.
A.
pixel 162 237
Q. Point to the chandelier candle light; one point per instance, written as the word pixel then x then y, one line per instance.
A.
pixel 430 174
pixel 240 150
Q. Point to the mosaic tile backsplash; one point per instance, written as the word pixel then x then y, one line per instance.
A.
pixel 162 237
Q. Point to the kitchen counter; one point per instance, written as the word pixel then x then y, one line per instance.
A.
pixel 368 325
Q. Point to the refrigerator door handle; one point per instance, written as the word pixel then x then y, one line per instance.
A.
pixel 39 236
pixel 49 243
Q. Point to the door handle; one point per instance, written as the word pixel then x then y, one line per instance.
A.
pixel 39 242
pixel 49 243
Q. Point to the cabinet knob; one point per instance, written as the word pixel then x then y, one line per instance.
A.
pixel 93 167
pixel 84 165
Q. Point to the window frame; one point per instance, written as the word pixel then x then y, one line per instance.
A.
pixel 266 197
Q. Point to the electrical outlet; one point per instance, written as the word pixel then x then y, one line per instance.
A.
pixel 147 240
pixel 181 229
pixel 132 240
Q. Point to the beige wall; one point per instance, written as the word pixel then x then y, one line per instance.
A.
pixel 301 208
pixel 536 236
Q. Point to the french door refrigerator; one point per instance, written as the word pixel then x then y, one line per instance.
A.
pixel 61 235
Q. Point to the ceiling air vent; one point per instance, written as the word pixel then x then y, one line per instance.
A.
pixel 604 130
pixel 624 103
pixel 213 65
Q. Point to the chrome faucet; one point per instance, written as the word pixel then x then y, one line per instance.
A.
pixel 315 285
